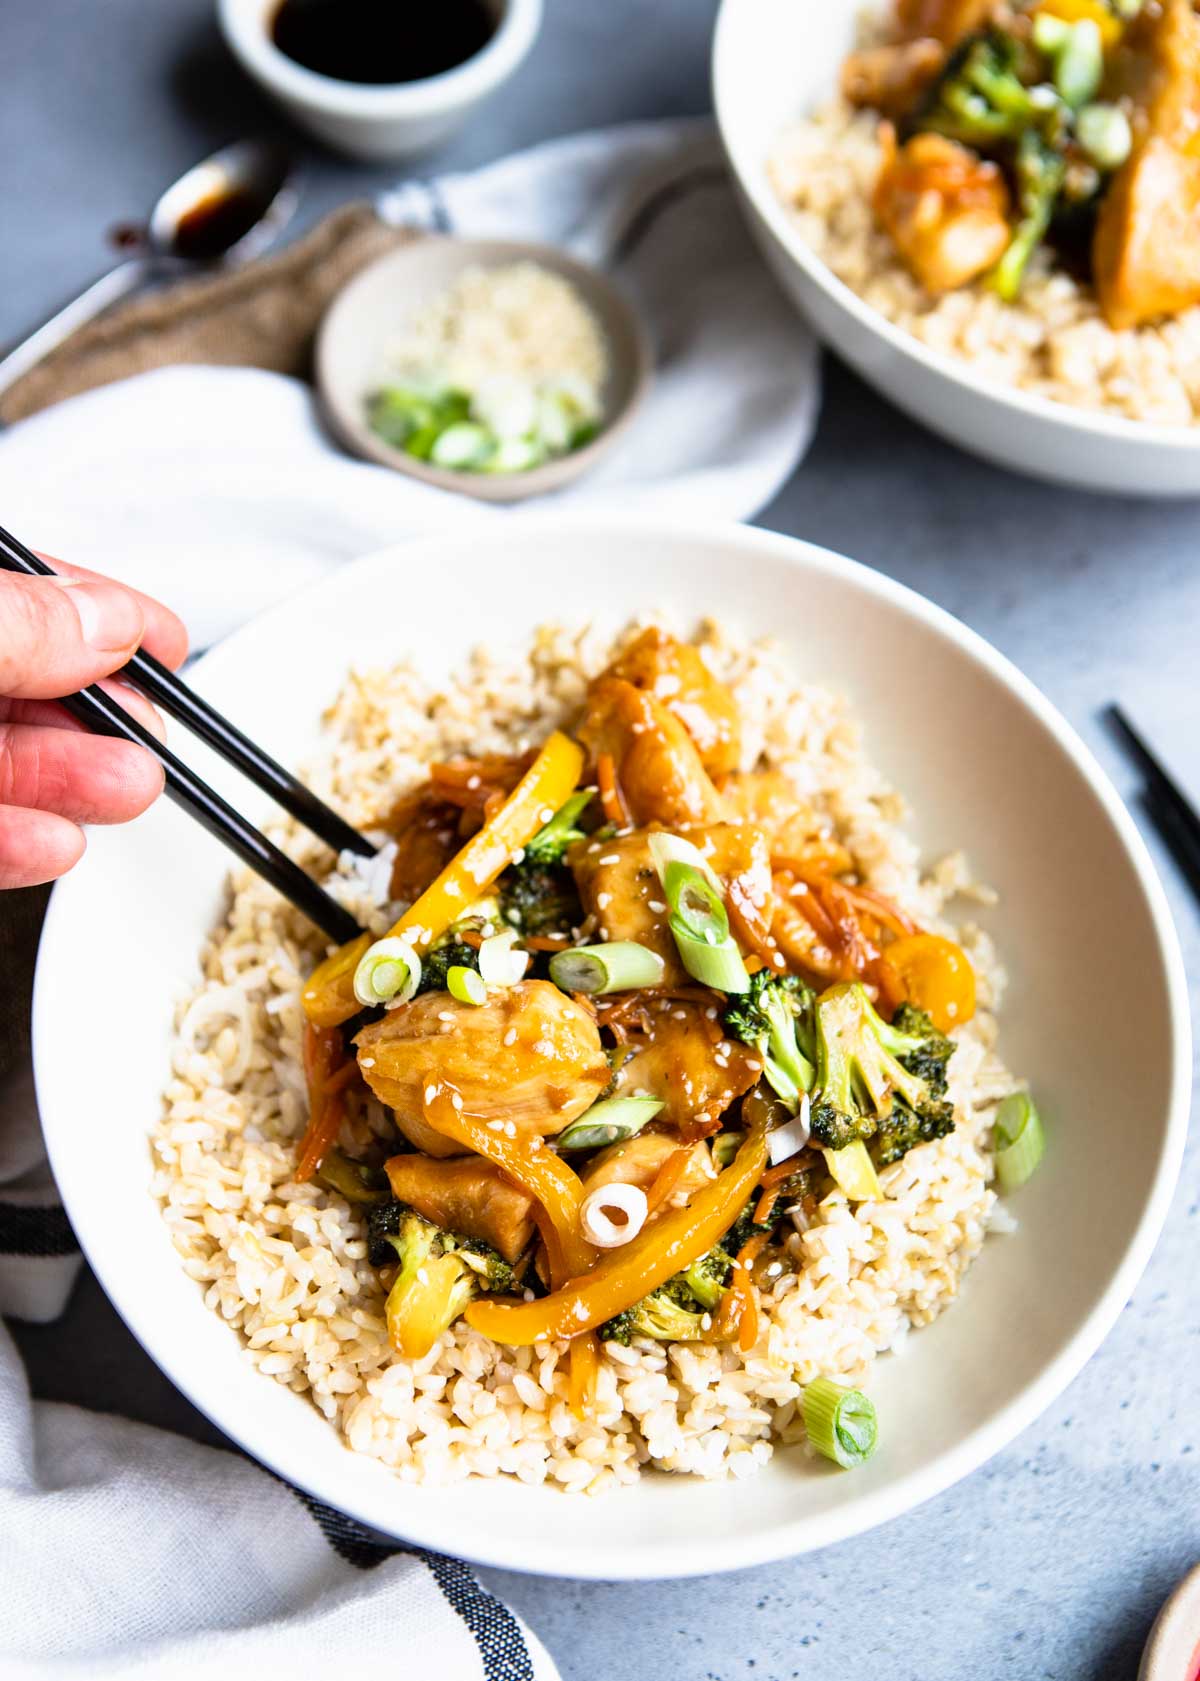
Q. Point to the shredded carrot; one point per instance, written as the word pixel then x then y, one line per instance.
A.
pixel 737 1315
pixel 668 1177
pixel 545 942
pixel 766 1204
pixel 750 936
pixel 327 1081
pixel 611 798
pixel 585 1369
pixel 781 1171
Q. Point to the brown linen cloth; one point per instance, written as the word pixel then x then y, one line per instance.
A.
pixel 264 315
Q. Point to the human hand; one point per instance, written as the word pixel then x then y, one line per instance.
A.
pixel 58 635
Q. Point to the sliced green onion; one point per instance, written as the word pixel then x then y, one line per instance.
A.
pixel 467 985
pixel 854 1172
pixel 841 1423
pixel 666 849
pixel 618 966
pixel 389 969
pixel 611 1121
pixel 1050 33
pixel 1019 1139
pixel 717 966
pixel 725 1147
pixel 695 904
pixel 554 837
pixel 500 963
pixel 1079 63
pixel 1105 135
pixel 463 445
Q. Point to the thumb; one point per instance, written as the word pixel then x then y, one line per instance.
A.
pixel 59 634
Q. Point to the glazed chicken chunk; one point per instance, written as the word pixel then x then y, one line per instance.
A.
pixel 945 209
pixel 658 766
pixel 694 1074
pixel 676 675
pixel 467 1195
pixel 530 1057
pixel 639 1160
pixel 622 893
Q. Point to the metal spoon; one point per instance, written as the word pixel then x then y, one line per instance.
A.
pixel 221 212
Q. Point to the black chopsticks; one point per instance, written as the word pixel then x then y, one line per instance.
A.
pixel 101 714
pixel 1176 817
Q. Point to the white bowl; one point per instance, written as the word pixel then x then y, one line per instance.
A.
pixel 368 121
pixel 988 764
pixel 775 61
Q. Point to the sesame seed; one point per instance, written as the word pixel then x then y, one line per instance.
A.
pixel 706 1322
pixel 495 1126
pixel 445 1015
pixel 473 782
pixel 510 1038
pixel 430 1093
pixel 366 1062
pixel 546 814
pixel 609 857
pixel 544 1047
pixel 603 901
pixel 456 1100
pixel 510 1129
pixel 657 906
pixel 518 855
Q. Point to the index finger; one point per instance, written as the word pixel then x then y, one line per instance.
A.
pixel 165 634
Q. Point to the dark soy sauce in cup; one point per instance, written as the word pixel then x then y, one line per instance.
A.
pixel 382 41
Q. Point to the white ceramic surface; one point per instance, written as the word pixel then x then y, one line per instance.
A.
pixel 773 62
pixel 1172 1652
pixel 380 122
pixel 987 764
pixel 370 314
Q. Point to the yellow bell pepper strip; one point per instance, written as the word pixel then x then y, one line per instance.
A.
pixel 557 1187
pixel 329 999
pixel 936 975
pixel 416 1318
pixel 1110 26
pixel 623 1276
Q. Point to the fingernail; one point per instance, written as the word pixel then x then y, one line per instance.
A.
pixel 109 616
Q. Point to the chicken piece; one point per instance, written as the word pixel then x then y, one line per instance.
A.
pixel 944 208
pixel 675 673
pixel 530 1056
pixel 792 825
pixel 426 832
pixel 638 1161
pixel 469 1196
pixel 946 21
pixel 1146 248
pixel 694 1075
pixel 893 77
pixel 621 891
pixel 658 765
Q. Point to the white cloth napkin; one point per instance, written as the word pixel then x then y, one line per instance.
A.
pixel 128 1551
pixel 217 488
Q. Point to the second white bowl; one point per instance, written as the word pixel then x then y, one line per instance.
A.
pixel 775 61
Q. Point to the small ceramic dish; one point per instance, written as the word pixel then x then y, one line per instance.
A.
pixel 774 62
pixel 1173 1650
pixel 370 313
pixel 398 120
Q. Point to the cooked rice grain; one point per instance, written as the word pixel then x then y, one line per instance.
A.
pixel 286 1264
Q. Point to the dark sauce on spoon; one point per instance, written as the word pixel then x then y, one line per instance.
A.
pixel 209 228
pixel 382 41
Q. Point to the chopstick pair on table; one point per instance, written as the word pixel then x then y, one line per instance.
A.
pixel 104 716
pixel 1172 813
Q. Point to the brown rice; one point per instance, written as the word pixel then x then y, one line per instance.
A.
pixel 285 1264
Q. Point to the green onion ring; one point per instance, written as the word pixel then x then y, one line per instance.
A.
pixel 611 1121
pixel 618 966
pixel 695 904
pixel 1019 1140
pixel 841 1423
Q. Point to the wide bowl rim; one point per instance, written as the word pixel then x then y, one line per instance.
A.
pixel 342 414
pixel 700 1554
pixel 751 178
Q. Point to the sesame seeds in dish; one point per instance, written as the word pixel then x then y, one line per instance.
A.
pixel 311 1171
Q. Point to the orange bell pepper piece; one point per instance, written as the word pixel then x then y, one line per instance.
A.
pixel 329 999
pixel 623 1276
pixel 936 975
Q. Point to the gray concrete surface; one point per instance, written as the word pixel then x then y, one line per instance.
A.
pixel 1051 1561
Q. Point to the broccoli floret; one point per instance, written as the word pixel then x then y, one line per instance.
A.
pixel 436 964
pixel 669 1314
pixel 981 97
pixel 708 1277
pixel 773 1017
pixel 866 1069
pixel 903 1128
pixel 356 1181
pixel 440 1273
pixel 744 1228
pixel 1040 172
pixel 538 898
pixel 552 841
